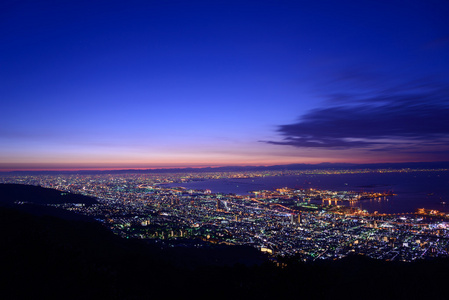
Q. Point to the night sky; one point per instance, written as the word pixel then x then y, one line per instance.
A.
pixel 151 84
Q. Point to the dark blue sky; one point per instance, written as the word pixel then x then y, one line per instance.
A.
pixel 118 84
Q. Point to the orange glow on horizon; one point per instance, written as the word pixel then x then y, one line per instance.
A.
pixel 104 166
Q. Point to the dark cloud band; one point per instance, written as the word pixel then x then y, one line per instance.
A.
pixel 400 120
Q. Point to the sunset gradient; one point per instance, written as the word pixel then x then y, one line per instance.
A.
pixel 168 84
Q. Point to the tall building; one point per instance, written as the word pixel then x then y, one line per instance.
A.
pixel 295 219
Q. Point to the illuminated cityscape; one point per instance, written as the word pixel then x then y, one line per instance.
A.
pixel 224 149
pixel 309 224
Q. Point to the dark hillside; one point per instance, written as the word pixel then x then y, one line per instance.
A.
pixel 34 199
pixel 9 193
pixel 44 256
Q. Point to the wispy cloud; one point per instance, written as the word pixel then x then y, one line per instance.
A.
pixel 410 117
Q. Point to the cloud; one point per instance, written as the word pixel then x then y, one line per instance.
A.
pixel 403 118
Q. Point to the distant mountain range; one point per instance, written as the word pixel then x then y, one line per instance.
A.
pixel 290 167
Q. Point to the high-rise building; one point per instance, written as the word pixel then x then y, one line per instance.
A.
pixel 295 219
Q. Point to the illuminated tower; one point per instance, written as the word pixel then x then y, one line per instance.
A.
pixel 295 219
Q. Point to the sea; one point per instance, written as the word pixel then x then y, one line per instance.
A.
pixel 411 189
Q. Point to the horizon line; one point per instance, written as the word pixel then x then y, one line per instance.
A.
pixel 211 167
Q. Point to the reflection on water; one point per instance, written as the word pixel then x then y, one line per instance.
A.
pixel 426 189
